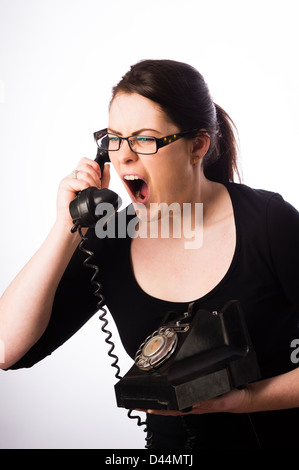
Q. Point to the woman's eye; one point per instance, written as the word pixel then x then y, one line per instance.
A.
pixel 144 140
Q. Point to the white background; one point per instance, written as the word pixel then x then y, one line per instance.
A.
pixel 58 62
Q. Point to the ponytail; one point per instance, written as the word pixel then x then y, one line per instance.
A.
pixel 221 164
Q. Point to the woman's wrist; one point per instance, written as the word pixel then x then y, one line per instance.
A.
pixel 62 228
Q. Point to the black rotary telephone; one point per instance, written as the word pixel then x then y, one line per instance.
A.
pixel 191 357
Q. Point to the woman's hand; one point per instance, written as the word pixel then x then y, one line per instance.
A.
pixel 86 174
pixel 236 401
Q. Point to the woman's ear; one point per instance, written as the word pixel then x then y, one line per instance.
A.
pixel 201 145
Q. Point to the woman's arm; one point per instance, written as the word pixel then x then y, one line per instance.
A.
pixel 26 305
pixel 276 393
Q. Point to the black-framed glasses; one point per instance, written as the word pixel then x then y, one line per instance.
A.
pixel 141 144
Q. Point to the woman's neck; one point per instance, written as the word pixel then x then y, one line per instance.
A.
pixel 204 203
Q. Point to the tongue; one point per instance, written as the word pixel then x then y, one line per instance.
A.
pixel 143 189
pixel 142 192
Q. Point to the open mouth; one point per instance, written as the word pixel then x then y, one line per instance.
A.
pixel 137 187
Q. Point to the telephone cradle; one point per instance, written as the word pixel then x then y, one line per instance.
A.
pixel 200 356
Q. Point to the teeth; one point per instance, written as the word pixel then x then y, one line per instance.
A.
pixel 131 177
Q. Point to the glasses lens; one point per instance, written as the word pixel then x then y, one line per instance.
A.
pixel 143 144
pixel 108 141
pixel 113 142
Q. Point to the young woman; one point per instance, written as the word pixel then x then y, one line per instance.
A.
pixel 181 150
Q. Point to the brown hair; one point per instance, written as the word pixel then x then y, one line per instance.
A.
pixel 182 93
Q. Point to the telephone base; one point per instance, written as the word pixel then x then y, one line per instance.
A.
pixel 213 355
pixel 154 391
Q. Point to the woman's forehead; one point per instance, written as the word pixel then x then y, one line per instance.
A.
pixel 130 112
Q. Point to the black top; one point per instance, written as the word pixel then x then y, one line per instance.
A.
pixel 263 276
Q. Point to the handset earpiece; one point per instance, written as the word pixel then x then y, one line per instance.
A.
pixel 83 207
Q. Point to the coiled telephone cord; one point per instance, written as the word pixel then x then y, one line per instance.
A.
pixel 102 317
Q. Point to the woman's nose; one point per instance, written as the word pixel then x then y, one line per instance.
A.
pixel 125 154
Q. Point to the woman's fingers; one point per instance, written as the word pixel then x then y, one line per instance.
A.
pixel 87 171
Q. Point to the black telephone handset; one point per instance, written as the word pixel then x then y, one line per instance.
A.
pixel 83 207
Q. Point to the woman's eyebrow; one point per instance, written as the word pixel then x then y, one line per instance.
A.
pixel 134 133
